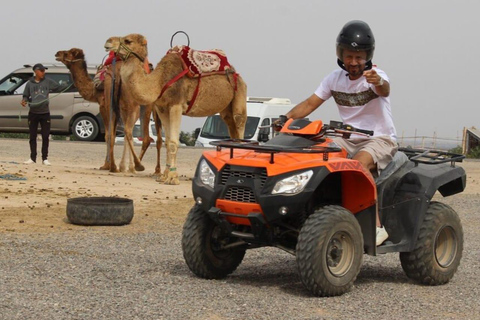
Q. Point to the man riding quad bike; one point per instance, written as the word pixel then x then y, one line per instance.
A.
pixel 301 193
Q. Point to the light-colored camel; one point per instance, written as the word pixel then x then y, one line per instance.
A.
pixel 216 94
pixel 74 59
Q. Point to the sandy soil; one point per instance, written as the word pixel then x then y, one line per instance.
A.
pixel 38 203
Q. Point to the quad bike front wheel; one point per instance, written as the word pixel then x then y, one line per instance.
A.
pixel 202 245
pixel 330 251
pixel 439 247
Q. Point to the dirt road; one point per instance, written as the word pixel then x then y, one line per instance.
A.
pixel 50 269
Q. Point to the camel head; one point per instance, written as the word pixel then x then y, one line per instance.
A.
pixel 72 55
pixel 133 44
pixel 112 44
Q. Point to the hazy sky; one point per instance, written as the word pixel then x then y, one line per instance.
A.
pixel 430 49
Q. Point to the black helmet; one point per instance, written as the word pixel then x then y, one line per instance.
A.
pixel 356 35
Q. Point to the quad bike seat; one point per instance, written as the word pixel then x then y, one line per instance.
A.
pixel 399 159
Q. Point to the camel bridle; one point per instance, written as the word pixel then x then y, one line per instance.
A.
pixel 74 60
pixel 129 52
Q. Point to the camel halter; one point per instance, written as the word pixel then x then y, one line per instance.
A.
pixel 74 60
pixel 130 52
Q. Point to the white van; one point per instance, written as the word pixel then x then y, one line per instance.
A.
pixel 260 112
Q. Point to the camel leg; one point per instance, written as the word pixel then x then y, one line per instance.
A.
pixel 145 113
pixel 111 128
pixel 227 117
pixel 111 143
pixel 239 108
pixel 105 118
pixel 129 119
pixel 165 121
pixel 158 128
pixel 172 121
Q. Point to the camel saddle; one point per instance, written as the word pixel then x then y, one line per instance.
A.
pixel 202 63
pixel 197 64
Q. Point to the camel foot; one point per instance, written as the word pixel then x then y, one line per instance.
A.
pixel 114 169
pixel 105 167
pixel 172 178
pixel 139 167
pixel 161 178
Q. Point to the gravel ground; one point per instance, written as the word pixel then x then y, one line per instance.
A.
pixel 96 274
pixel 91 275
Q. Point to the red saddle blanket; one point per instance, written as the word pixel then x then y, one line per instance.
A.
pixel 202 62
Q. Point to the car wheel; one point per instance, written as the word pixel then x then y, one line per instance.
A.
pixel 330 251
pixel 85 128
pixel 439 247
pixel 202 242
pixel 100 211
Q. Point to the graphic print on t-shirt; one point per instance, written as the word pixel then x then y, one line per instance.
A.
pixel 354 99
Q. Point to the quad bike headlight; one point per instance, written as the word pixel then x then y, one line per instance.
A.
pixel 206 174
pixel 293 184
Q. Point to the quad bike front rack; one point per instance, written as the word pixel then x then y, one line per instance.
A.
pixel 255 146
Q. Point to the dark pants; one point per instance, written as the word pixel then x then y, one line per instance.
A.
pixel 33 121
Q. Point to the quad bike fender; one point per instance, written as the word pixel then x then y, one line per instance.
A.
pixel 404 211
pixel 446 179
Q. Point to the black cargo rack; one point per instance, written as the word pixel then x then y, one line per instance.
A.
pixel 431 156
pixel 272 149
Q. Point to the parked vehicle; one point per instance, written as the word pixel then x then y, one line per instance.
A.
pixel 137 134
pixel 299 192
pixel 261 113
pixel 70 113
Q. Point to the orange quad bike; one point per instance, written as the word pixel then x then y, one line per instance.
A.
pixel 301 193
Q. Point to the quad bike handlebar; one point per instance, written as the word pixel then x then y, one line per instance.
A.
pixel 334 128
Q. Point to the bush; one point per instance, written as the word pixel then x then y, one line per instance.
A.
pixel 474 153
pixel 457 150
pixel 14 135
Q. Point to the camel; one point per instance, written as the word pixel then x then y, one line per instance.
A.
pixel 219 93
pixel 74 60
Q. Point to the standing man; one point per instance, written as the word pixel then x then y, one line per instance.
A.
pixel 361 92
pixel 36 95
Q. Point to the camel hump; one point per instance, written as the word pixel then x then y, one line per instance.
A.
pixel 203 62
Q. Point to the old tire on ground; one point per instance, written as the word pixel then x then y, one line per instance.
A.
pixel 201 242
pixel 85 128
pixel 330 251
pixel 439 247
pixel 96 211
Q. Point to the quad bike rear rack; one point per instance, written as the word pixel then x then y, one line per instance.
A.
pixel 431 156
pixel 272 149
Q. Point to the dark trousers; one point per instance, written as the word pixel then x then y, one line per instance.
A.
pixel 33 121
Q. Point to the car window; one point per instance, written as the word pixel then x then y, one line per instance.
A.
pixel 14 83
pixel 215 128
pixel 63 79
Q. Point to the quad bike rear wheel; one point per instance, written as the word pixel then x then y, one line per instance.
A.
pixel 330 251
pixel 439 247
pixel 202 242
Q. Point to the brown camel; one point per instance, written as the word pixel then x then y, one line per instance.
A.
pixel 74 59
pixel 216 94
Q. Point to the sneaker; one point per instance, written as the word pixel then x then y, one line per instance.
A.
pixel 382 235
pixel 29 161
pixel 46 162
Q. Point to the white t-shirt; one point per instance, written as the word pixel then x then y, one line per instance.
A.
pixel 358 103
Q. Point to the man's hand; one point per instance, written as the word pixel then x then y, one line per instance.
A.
pixel 372 77
pixel 382 87
pixel 279 123
pixel 24 103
